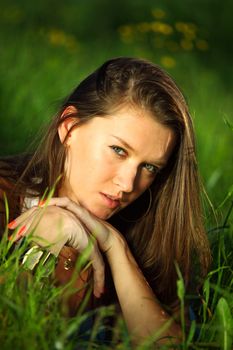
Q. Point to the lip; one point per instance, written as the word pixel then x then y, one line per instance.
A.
pixel 111 201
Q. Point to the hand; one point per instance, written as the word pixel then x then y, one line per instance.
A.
pixel 100 229
pixel 53 227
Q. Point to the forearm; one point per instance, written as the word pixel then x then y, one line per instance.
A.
pixel 142 312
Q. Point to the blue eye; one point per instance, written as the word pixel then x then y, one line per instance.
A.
pixel 151 168
pixel 118 150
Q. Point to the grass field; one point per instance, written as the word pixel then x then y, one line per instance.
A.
pixel 46 49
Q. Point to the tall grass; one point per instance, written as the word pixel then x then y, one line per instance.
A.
pixel 33 314
pixel 33 311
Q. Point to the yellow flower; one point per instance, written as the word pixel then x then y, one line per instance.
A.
pixel 186 44
pixel 161 27
pixel 59 38
pixel 168 61
pixel 188 29
pixel 56 37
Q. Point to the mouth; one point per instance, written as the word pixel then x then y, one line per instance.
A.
pixel 110 201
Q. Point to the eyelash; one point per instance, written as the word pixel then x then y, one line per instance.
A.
pixel 117 150
pixel 155 169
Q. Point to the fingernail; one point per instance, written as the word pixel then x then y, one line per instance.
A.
pixel 11 224
pixel 41 203
pixel 19 233
pixel 21 230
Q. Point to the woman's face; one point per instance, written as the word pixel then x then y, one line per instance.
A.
pixel 112 160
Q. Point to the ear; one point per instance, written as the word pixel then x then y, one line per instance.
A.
pixel 68 122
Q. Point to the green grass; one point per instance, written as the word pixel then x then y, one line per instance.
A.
pixel 32 314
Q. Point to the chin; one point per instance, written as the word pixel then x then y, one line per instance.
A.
pixel 105 216
pixel 99 214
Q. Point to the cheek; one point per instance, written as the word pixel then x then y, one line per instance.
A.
pixel 91 165
pixel 145 182
pixel 79 157
pixel 142 185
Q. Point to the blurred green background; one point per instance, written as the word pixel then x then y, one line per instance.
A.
pixel 47 47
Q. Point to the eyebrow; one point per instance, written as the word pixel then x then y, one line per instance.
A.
pixel 162 164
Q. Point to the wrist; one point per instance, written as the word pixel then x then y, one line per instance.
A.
pixel 118 244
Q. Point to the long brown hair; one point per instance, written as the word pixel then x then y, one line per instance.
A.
pixel 173 229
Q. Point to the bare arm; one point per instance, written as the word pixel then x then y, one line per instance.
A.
pixel 142 312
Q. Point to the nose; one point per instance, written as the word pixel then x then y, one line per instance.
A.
pixel 125 179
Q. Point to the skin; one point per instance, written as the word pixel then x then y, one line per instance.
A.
pixel 108 166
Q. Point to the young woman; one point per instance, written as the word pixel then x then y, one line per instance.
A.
pixel 122 155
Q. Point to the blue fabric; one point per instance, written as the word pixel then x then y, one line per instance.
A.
pixel 84 335
pixel 192 315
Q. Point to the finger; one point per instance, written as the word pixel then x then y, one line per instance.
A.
pixel 20 219
pixel 26 223
pixel 20 231
pixel 98 272
pixel 17 234
pixel 92 223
